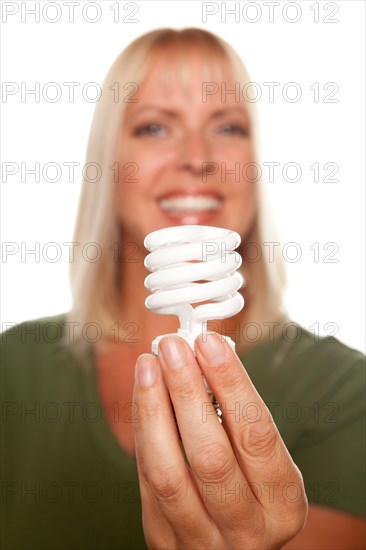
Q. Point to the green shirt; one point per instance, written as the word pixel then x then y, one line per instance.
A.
pixel 66 482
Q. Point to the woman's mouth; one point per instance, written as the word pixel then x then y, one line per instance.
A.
pixel 190 204
pixel 191 208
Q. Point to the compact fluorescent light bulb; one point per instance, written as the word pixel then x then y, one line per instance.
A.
pixel 179 258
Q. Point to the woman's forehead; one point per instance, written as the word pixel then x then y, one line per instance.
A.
pixel 203 62
pixel 190 74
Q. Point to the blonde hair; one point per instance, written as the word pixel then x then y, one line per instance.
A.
pixel 95 286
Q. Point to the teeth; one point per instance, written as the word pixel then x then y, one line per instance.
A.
pixel 190 204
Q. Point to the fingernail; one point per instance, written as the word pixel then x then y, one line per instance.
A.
pixel 212 347
pixel 173 351
pixel 145 371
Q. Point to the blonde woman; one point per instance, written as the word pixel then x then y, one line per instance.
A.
pixel 93 458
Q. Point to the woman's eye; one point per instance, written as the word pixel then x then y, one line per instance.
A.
pixel 150 130
pixel 233 129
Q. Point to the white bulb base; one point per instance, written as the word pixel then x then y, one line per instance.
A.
pixel 187 337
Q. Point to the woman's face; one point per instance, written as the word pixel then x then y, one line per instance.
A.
pixel 183 155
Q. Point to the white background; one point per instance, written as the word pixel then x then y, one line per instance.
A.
pixel 304 132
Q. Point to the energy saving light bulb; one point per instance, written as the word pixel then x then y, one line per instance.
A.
pixel 192 264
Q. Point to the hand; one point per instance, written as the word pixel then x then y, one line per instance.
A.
pixel 241 488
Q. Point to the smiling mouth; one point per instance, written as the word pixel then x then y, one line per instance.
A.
pixel 190 204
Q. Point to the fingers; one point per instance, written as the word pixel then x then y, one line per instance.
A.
pixel 259 448
pixel 239 472
pixel 171 503
pixel 207 446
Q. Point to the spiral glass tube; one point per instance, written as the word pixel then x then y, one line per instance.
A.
pixel 192 264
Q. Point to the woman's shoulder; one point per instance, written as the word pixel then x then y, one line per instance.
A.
pixel 36 361
pixel 299 364
pixel 323 354
pixel 35 345
pixel 295 346
pixel 39 332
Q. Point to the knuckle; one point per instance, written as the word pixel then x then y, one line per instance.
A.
pixel 225 371
pixel 186 392
pixel 292 512
pixel 214 463
pixel 298 521
pixel 295 520
pixel 150 410
pixel 167 484
pixel 258 440
pixel 230 381
pixel 296 511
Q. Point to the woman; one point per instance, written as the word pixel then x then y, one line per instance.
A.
pixel 93 456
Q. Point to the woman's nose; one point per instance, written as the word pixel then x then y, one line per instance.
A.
pixel 195 153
